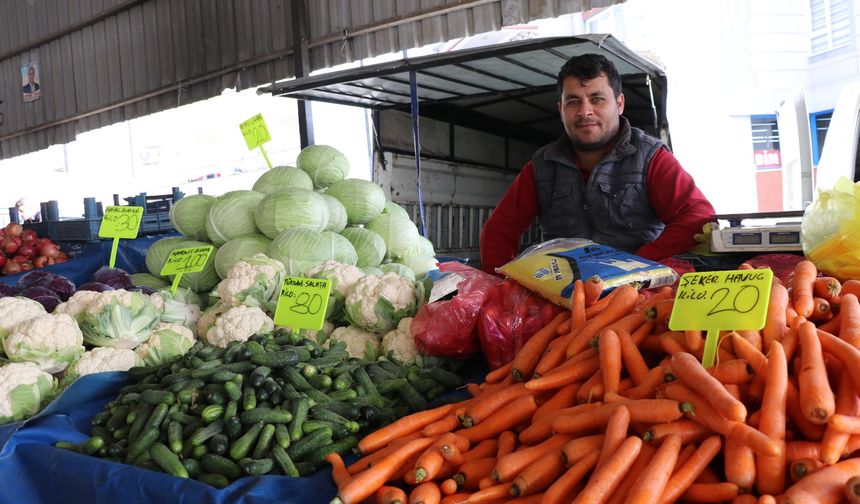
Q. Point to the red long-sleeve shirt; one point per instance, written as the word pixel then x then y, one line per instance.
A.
pixel 673 194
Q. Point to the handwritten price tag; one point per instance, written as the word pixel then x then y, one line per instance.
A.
pixel 303 303
pixel 721 300
pixel 121 222
pixel 186 260
pixel 255 131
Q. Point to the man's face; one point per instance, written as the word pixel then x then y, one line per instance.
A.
pixel 589 111
pixel 31 73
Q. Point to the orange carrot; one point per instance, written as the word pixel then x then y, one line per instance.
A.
pixel 696 408
pixel 809 430
pixel 390 495
pixel 473 389
pixel 491 494
pixel 848 354
pixel 828 288
pixel 609 348
pixel 499 373
pixel 672 342
pixel 577 448
pixel 370 459
pixel 623 299
pixel 745 499
pixel 795 450
pixel 771 471
pixel 577 306
pixel 632 358
pixel 448 487
pixel 660 311
pixel 693 341
pixel 710 492
pixel 825 486
pixel 441 426
pixel 751 337
pixel 851 287
pixel 365 483
pixel 739 463
pixel 561 377
pixel 685 475
pixel 427 466
pixel 849 324
pixel 847 403
pixel 688 430
pixel 816 397
pixel 527 358
pixel 821 310
pixel 406 425
pixel 539 475
pixel 562 489
pixel 507 443
pixel 756 440
pixel 616 433
pixel 426 493
pixel 592 288
pixel 652 482
pixel 803 467
pixel 688 369
pixel 844 423
pixel 641 410
pixel 775 320
pixel 542 429
pixel 767 499
pixel 831 325
pixel 509 466
pixel 752 355
pixel 564 397
pixel 600 305
pixel 805 273
pixel 484 407
pixel 732 372
pixel 484 449
pixel 470 473
pixel 606 479
pixel 456 498
pixel 512 414
pixel 649 387
pixel 592 389
pixel 338 469
pixel 852 490
pixel 646 454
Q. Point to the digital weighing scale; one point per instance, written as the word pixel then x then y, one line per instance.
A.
pixel 780 237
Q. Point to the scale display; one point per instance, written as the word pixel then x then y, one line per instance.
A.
pixel 783 238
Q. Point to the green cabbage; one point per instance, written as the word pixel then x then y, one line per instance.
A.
pixel 372 270
pixel 362 199
pixel 400 269
pixel 188 215
pixel 183 307
pixel 325 164
pixel 232 216
pixel 419 263
pixel 395 209
pixel 425 246
pixel 400 234
pixel 158 253
pixel 301 248
pixel 369 246
pixel 205 279
pixel 291 208
pixel 282 177
pixel 149 280
pixel 336 214
pixel 237 249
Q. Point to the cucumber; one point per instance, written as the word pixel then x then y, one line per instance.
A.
pixel 343 395
pixel 216 480
pixel 344 409
pixel 338 430
pixel 240 447
pixel 192 466
pixel 199 451
pixel 282 435
pixel 117 418
pixel 264 442
pixel 391 385
pixel 300 414
pixel 320 382
pixel 92 445
pixel 266 416
pixel 285 462
pixel 281 358
pixel 216 464
pixel 167 460
pixel 183 418
pixel 204 433
pixel 218 444
pixel 393 368
pixel 257 467
pixel 443 376
pixel 222 376
pixel 321 413
pixel 174 436
pixel 104 433
pixel 364 380
pixel 141 444
pixel 340 446
pixel 141 415
pixel 101 418
pixel 233 427
pixel 413 398
pixel 310 442
pixel 342 381
pixel 231 410
pixel 259 375
pixel 378 373
pixel 236 367
pixel 66 445
pixel 211 413
pixel 156 418
pixel 233 391
pixel 249 398
pixel 158 397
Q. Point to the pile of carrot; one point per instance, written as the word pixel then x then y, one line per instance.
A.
pixel 605 404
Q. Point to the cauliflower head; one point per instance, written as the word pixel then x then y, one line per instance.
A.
pixel 103 359
pixel 181 307
pixel 399 344
pixel 378 303
pixel 343 277
pixel 166 342
pixel 51 341
pixel 359 343
pixel 118 319
pixel 254 281
pixel 24 389
pixel 210 316
pixel 238 324
pixel 77 304
pixel 17 309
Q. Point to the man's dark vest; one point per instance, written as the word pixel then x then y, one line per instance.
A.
pixel 613 207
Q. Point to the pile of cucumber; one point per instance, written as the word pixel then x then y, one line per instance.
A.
pixel 274 404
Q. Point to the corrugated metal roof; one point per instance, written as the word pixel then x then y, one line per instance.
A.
pixel 509 88
pixel 104 61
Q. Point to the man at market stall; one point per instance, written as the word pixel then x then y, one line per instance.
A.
pixel 603 180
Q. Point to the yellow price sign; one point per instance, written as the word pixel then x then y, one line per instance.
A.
pixel 186 260
pixel 255 131
pixel 721 300
pixel 121 222
pixel 302 303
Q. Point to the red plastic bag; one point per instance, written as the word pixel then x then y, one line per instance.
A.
pixel 510 316
pixel 781 264
pixel 446 328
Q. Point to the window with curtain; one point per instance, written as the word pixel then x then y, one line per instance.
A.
pixel 831 25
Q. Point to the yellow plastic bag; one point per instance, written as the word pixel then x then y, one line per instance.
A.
pixel 830 231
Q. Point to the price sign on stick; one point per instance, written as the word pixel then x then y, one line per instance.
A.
pixel 302 303
pixel 185 260
pixel 120 222
pixel 256 134
pixel 721 300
